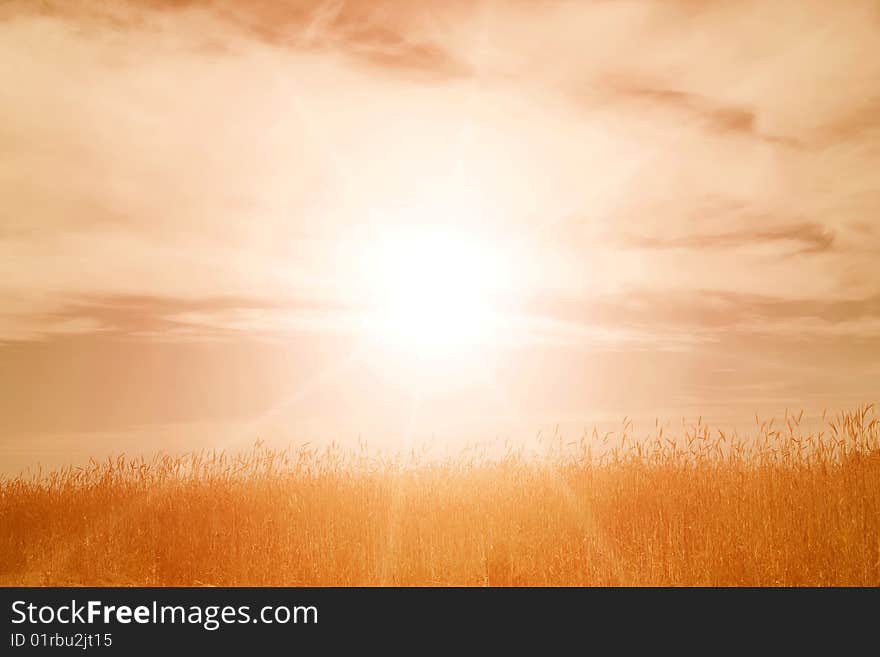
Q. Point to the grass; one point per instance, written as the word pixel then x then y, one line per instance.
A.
pixel 782 507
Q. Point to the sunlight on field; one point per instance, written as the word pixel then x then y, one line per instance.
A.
pixel 703 508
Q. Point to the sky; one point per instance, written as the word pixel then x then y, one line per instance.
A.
pixel 684 194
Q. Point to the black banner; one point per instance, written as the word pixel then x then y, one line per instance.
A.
pixel 128 621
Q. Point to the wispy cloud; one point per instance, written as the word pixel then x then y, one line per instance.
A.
pixel 805 238
pixel 693 108
pixel 397 37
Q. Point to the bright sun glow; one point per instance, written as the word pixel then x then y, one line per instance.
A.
pixel 434 290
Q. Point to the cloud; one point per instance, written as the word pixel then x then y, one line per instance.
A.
pixel 691 108
pixel 37 328
pixel 710 321
pixel 392 36
pixel 804 237
pixel 175 319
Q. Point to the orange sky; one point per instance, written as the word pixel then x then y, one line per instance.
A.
pixel 686 195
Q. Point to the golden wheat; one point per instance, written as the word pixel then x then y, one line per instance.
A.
pixel 782 507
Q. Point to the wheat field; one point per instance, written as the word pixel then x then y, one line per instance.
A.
pixel 779 507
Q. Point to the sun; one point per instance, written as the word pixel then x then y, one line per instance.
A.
pixel 434 290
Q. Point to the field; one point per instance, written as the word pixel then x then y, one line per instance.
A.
pixel 779 507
